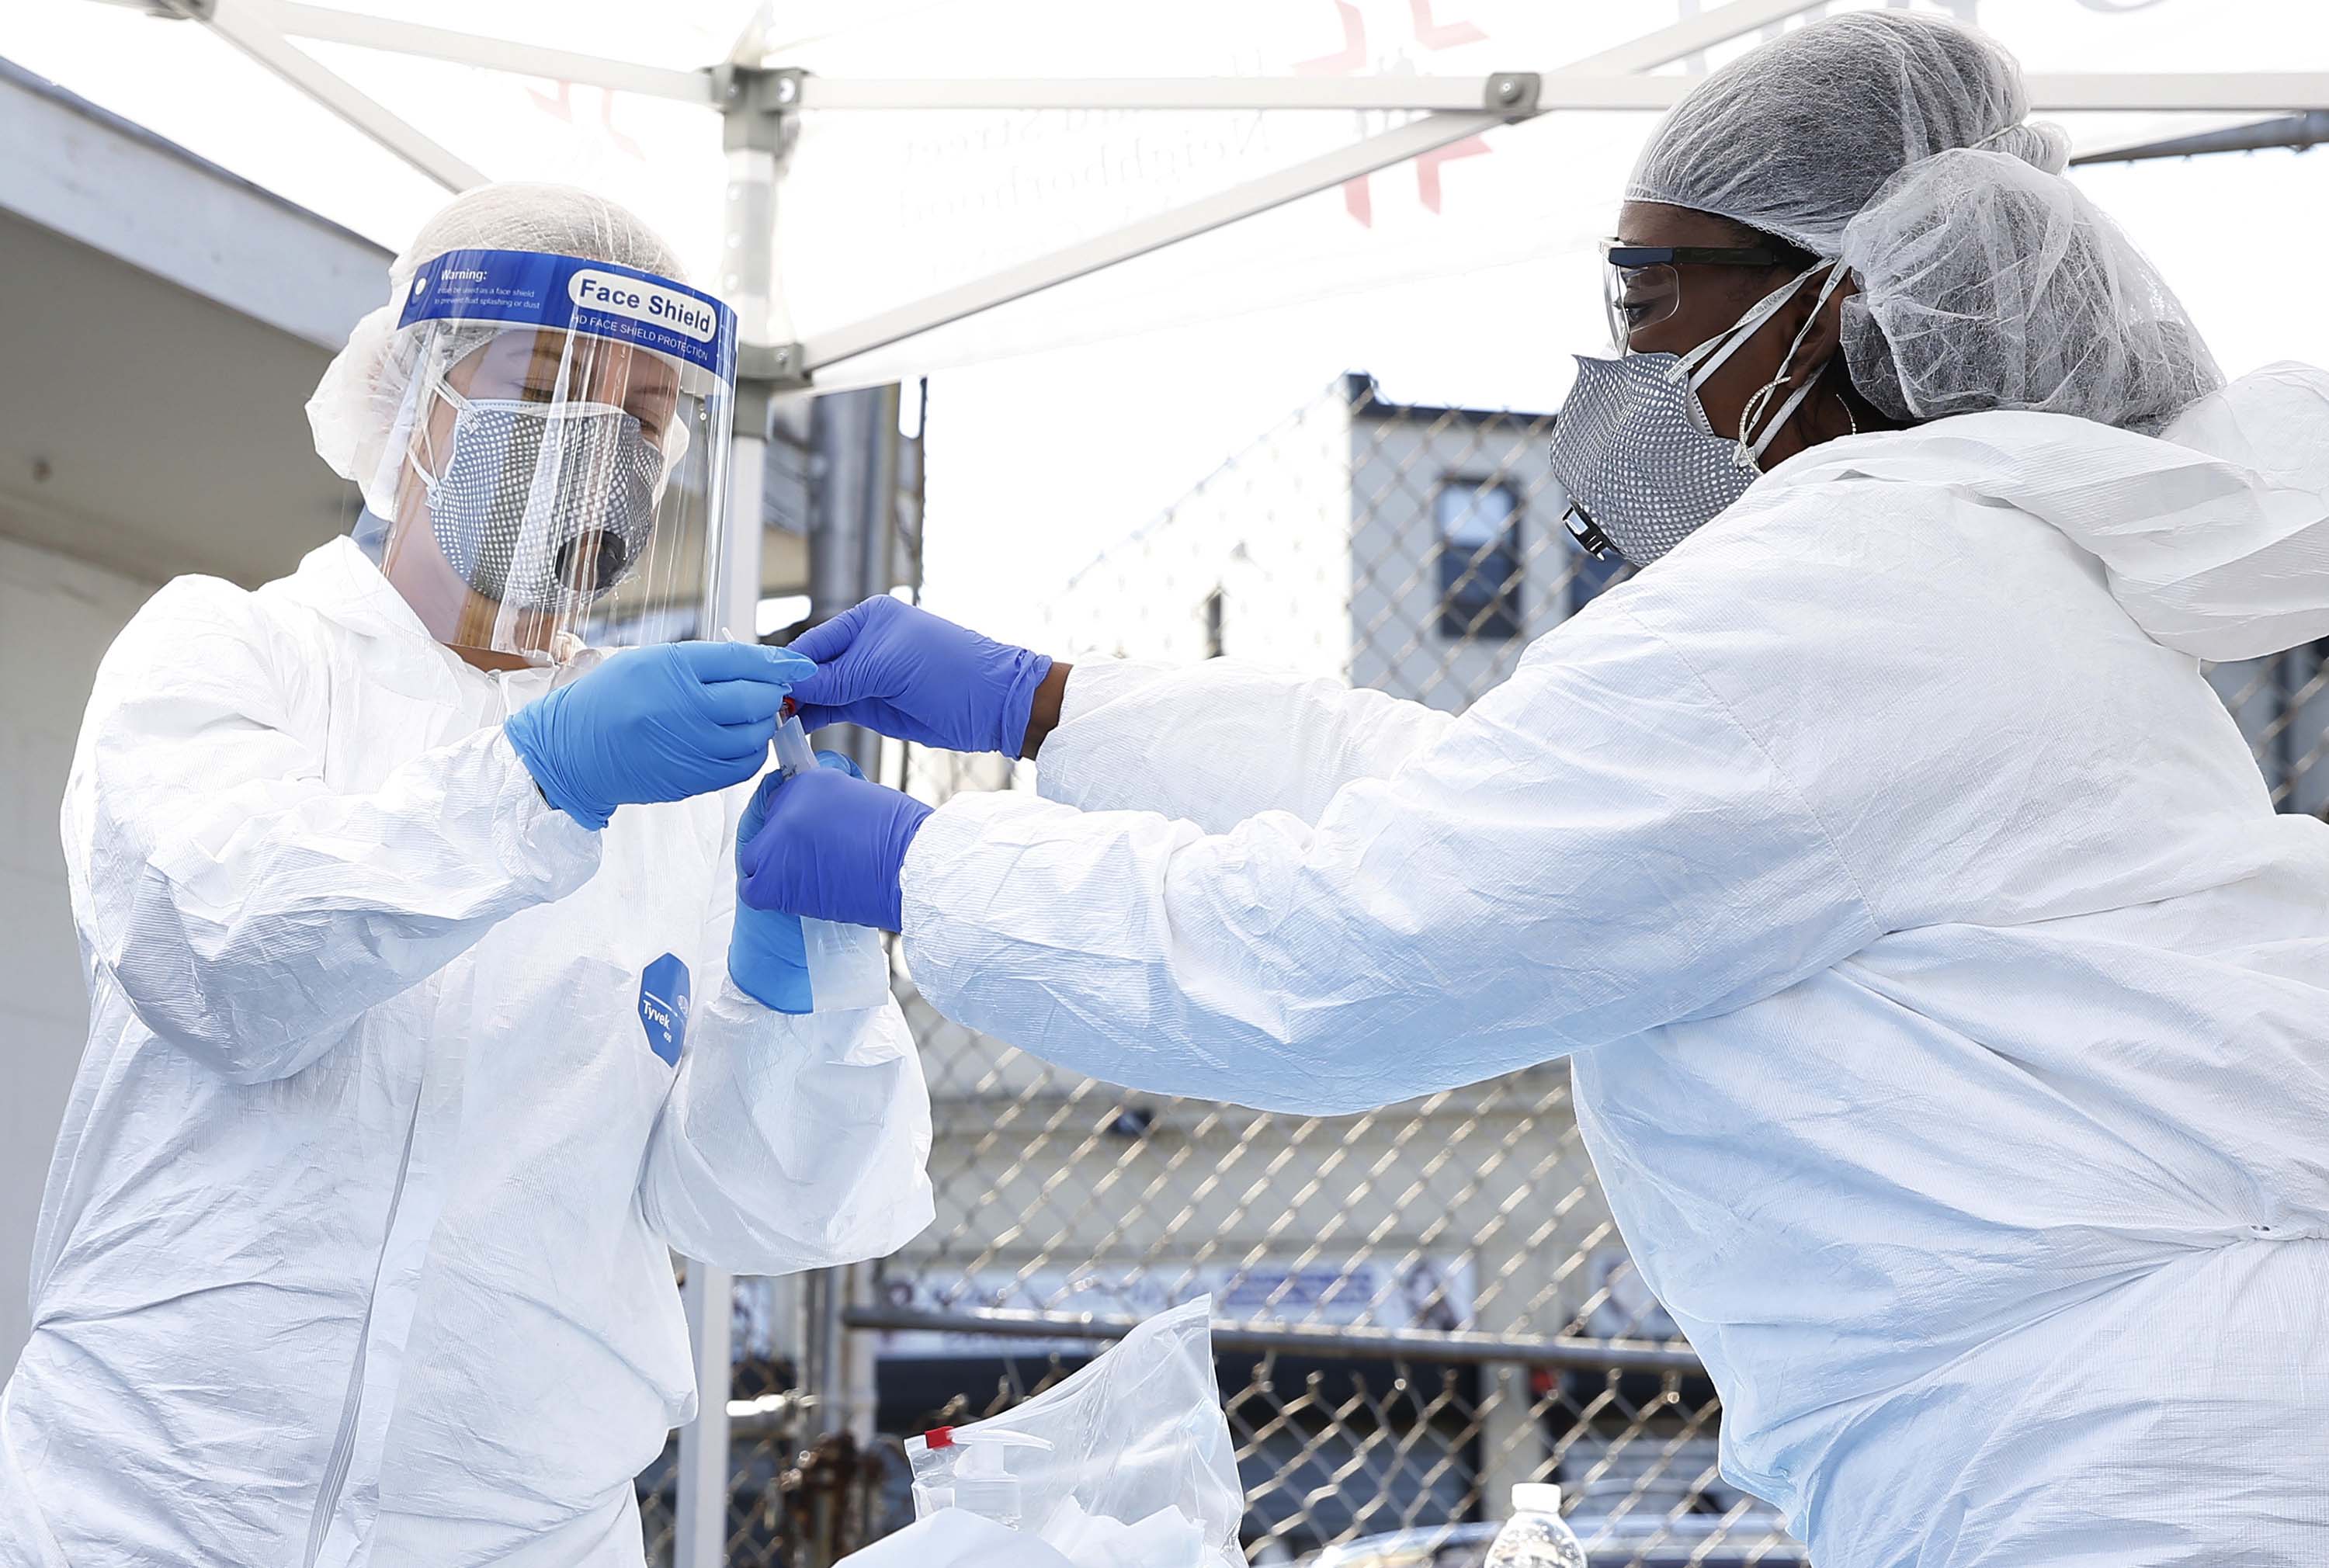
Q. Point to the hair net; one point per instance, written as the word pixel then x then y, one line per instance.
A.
pixel 1897 143
pixel 355 406
pixel 1988 284
pixel 1794 138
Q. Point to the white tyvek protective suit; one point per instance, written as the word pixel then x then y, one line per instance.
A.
pixel 353 1249
pixel 1948 1008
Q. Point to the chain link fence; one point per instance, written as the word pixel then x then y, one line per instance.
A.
pixel 1430 1302
pixel 1419 1306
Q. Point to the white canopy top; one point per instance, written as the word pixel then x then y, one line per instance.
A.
pixel 883 206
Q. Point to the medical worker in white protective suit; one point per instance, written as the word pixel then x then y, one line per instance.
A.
pixel 1948 1008
pixel 419 1031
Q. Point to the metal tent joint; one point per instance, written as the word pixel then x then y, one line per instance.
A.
pixel 764 373
pixel 760 106
pixel 1513 93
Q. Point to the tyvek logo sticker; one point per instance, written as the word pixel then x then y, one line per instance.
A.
pixel 662 1006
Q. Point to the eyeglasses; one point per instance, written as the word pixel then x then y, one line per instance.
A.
pixel 1640 287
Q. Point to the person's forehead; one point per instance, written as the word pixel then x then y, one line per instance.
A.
pixel 1656 223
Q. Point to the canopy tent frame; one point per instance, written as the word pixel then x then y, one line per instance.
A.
pixel 1452 107
pixel 761 105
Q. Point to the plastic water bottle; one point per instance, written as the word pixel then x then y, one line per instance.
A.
pixel 1535 1536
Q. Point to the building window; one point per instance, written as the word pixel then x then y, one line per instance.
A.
pixel 1479 526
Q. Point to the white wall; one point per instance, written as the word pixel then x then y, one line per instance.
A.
pixel 1398 462
pixel 57 617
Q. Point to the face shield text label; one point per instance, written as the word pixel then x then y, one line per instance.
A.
pixel 567 294
pixel 609 294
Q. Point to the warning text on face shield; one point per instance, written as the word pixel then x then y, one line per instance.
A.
pixel 610 293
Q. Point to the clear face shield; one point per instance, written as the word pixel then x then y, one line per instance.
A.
pixel 557 477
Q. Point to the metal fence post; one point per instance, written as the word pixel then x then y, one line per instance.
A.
pixel 858 1392
pixel 853 520
pixel 757 106
pixel 854 441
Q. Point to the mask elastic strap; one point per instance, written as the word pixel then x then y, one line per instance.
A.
pixel 436 386
pixel 1786 410
pixel 1723 345
pixel 1754 455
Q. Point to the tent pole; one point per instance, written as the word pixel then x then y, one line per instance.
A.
pixel 758 133
pixel 699 1509
pixel 1506 97
pixel 852 520
pixel 370 30
pixel 2058 92
pixel 1199 217
pixel 249 26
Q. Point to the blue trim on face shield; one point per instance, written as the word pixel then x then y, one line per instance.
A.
pixel 566 293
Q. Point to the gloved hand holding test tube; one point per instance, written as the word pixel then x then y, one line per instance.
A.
pixel 821 847
pixel 847 967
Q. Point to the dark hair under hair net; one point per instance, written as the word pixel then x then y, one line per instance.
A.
pixel 1897 143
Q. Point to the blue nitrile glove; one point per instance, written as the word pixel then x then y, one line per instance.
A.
pixel 830 847
pixel 655 724
pixel 767 958
pixel 905 673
